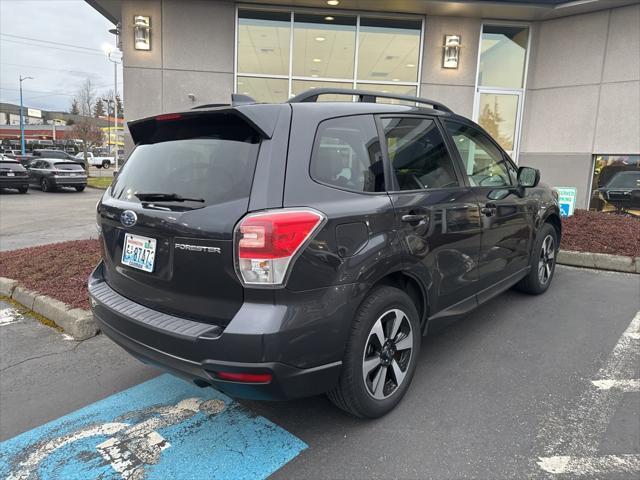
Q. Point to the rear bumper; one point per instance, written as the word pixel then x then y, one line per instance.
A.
pixel 14 182
pixel 68 181
pixel 261 338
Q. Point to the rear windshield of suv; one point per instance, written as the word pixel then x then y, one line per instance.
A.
pixel 67 166
pixel 211 160
pixel 12 166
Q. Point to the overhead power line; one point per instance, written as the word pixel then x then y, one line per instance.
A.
pixel 31 39
pixel 63 49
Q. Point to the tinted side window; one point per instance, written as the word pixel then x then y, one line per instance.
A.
pixel 418 154
pixel 346 154
pixel 485 164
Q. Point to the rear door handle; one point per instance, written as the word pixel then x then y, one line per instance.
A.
pixel 414 218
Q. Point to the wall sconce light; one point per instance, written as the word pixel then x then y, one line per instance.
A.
pixel 451 53
pixel 142 32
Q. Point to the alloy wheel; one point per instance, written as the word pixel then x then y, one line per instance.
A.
pixel 387 354
pixel 547 260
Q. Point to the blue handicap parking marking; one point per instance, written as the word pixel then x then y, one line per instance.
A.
pixel 161 429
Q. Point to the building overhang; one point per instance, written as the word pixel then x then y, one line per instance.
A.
pixel 524 10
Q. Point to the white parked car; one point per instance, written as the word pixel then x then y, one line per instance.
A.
pixel 96 160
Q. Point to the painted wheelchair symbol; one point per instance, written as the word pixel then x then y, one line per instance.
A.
pixel 131 446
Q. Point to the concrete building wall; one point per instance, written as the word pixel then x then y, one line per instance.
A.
pixel 583 95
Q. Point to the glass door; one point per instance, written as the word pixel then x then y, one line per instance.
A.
pixel 499 112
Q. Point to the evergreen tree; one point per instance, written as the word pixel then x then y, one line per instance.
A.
pixel 120 107
pixel 98 109
pixel 75 110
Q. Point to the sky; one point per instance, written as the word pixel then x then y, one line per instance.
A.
pixel 28 30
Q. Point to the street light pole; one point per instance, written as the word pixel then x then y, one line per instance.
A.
pixel 22 149
pixel 111 54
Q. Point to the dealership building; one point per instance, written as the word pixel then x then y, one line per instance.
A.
pixel 556 83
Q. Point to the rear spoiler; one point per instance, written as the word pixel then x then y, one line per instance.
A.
pixel 261 117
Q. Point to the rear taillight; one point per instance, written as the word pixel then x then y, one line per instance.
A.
pixel 267 243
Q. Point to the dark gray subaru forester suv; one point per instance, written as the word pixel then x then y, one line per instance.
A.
pixel 276 251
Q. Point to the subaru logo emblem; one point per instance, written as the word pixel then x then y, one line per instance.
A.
pixel 128 218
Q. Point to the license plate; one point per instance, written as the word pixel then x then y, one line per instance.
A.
pixel 11 174
pixel 72 174
pixel 139 252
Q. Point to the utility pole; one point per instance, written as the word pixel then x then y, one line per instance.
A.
pixel 22 150
pixel 112 55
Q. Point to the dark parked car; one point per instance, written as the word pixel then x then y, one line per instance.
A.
pixel 277 251
pixel 50 174
pixel 47 153
pixel 623 190
pixel 13 175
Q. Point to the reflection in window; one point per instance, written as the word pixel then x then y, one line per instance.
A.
pixel 389 50
pixel 263 42
pixel 323 48
pixel 497 114
pixel 502 56
pixel 262 89
pixel 484 163
pixel 616 184
pixel 418 155
pixel 346 154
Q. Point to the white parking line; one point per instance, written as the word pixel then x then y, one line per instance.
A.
pixel 603 465
pixel 625 386
pixel 578 429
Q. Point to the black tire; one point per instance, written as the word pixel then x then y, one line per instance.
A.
pixel 106 164
pixel 23 189
pixel 99 166
pixel 45 185
pixel 536 283
pixel 353 393
pixel 80 189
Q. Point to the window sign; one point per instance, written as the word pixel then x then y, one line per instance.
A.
pixel 567 200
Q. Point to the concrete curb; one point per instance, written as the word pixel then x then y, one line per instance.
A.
pixel 76 322
pixel 600 261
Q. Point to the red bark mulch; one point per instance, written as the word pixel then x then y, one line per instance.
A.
pixel 601 232
pixel 59 270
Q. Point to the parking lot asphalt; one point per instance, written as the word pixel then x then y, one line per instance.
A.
pixel 37 218
pixel 524 387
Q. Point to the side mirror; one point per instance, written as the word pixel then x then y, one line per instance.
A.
pixel 528 177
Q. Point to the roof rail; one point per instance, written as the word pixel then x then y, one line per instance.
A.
pixel 364 96
pixel 210 105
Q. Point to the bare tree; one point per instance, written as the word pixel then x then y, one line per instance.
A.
pixel 89 133
pixel 86 97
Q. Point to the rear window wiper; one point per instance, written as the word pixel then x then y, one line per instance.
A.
pixel 166 197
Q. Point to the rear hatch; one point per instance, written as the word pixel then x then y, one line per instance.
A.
pixel 172 211
pixel 12 169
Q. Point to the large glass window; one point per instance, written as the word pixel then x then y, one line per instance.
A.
pixel 323 49
pixel 389 50
pixel 281 53
pixel 263 42
pixel 418 154
pixel 501 77
pixel 346 154
pixel 502 56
